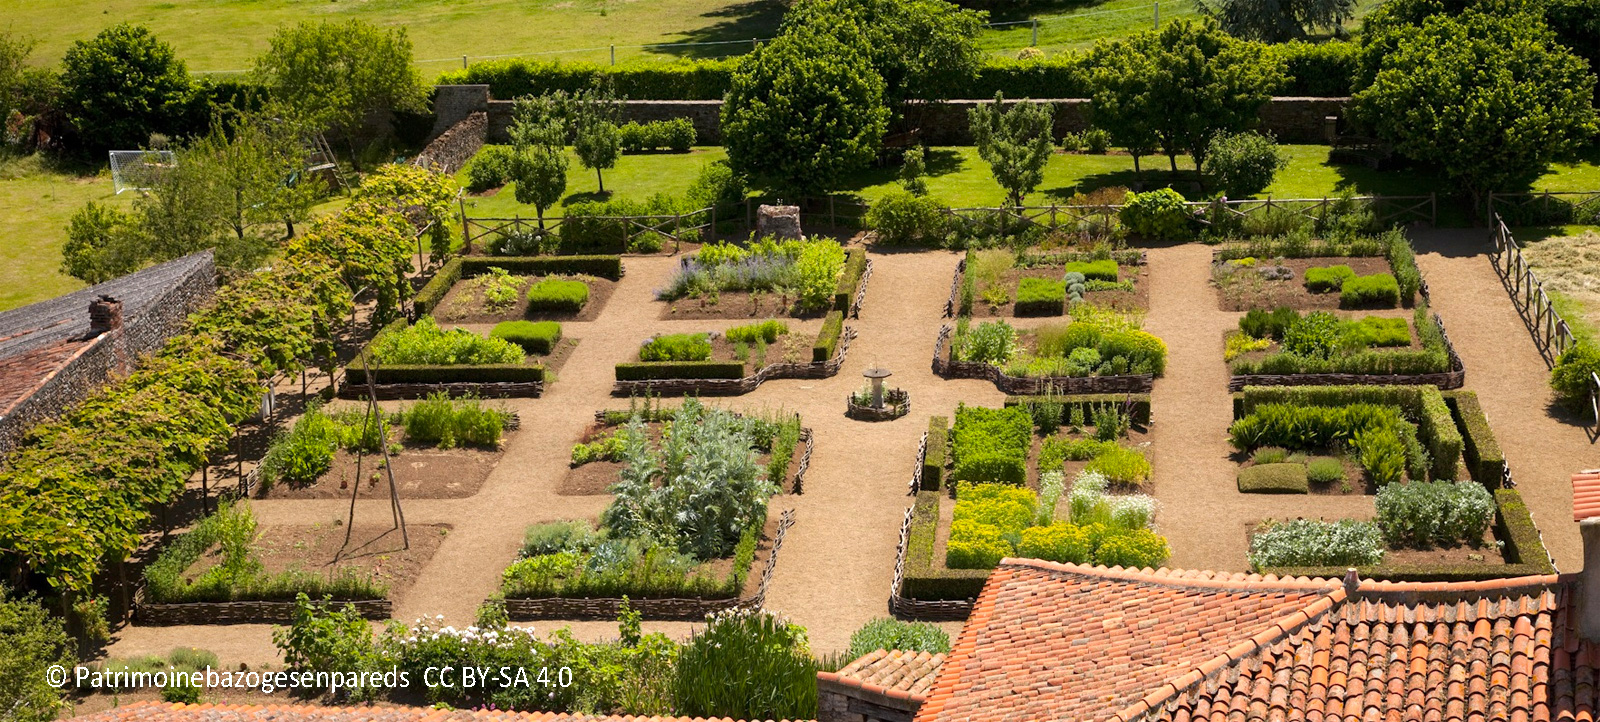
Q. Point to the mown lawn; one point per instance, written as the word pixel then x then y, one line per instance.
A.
pixel 636 176
pixel 36 201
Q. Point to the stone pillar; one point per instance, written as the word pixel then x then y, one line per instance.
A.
pixel 1589 581
pixel 783 222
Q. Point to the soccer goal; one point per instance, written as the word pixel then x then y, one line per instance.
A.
pixel 137 170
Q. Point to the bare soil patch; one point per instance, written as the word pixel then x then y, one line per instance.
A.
pixel 420 472
pixel 375 549
pixel 465 303
pixel 737 304
pixel 1245 288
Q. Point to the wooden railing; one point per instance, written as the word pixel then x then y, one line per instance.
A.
pixel 1551 333
pixel 1050 218
pixel 1545 207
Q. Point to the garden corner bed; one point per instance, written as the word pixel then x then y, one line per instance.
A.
pixel 1458 519
pixel 410 361
pixel 766 279
pixel 738 359
pixel 1059 478
pixel 1305 274
pixel 690 528
pixel 998 283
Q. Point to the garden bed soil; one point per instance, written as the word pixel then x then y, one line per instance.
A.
pixel 375 548
pixel 792 347
pixel 737 304
pixel 464 303
pixel 1251 291
pixel 595 477
pixel 420 472
pixel 1136 300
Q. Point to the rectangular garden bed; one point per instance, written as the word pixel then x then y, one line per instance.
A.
pixel 596 465
pixel 996 283
pixel 1336 348
pixel 720 364
pixel 760 281
pixel 1305 274
pixel 1024 377
pixel 1067 480
pixel 501 379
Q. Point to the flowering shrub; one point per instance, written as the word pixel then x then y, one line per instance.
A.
pixel 810 269
pixel 1309 543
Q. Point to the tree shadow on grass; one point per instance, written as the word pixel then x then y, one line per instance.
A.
pixel 739 23
pixel 939 162
pixel 1183 181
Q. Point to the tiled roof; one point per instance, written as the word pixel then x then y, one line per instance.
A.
pixel 67 317
pixel 1585 494
pixel 163 712
pixel 1061 641
pixel 21 374
pixel 910 674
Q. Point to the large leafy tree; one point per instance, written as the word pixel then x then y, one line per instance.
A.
pixel 804 110
pixel 539 138
pixel 1486 94
pixel 1016 142
pixel 1277 21
pixel 922 48
pixel 121 86
pixel 334 74
pixel 1191 81
pixel 1121 99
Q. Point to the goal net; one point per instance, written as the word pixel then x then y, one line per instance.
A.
pixel 137 170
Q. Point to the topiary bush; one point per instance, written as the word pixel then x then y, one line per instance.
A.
pixel 535 337
pixel 1327 278
pixel 1570 377
pixel 554 294
pixel 1379 290
pixel 677 347
pixel 1158 214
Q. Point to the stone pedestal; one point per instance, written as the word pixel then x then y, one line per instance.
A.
pixel 782 222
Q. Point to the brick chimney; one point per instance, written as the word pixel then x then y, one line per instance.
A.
pixel 1586 511
pixel 105 314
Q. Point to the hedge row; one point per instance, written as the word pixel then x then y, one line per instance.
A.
pixel 1322 70
pixel 1424 404
pixel 1138 404
pixel 933 458
pixel 647 370
pixel 1480 449
pixel 855 264
pixel 828 339
pixel 922 580
pixel 455 269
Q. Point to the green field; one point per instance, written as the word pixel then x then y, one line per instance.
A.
pixel 35 203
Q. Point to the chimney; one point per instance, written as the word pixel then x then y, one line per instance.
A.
pixel 105 314
pixel 1586 511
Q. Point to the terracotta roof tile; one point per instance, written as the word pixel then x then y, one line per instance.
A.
pixel 888 672
pixel 163 712
pixel 22 374
pixel 1585 494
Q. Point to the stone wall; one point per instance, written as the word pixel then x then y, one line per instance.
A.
pixel 451 150
pixel 839 701
pixel 1291 119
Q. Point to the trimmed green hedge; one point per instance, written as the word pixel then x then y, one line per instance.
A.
pixel 1379 290
pixel 455 269
pixel 1479 448
pixel 434 292
pixel 1140 404
pixel 1423 404
pixel 1274 479
pixel 938 448
pixel 855 264
pixel 990 445
pixel 538 337
pixel 1104 269
pixel 642 371
pixel 828 339
pixel 558 294
pixel 922 580
pixel 1040 297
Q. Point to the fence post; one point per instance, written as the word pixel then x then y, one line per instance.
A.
pixel 613 55
pixel 833 219
pixel 463 62
pixel 466 238
pixel 713 234
pixel 1433 208
pixel 1035 33
pixel 677 233
pixel 1158 15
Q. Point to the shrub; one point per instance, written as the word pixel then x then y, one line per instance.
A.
pixel 1133 549
pixel 938 448
pixel 1258 323
pixel 1376 331
pixel 1040 297
pixel 1096 140
pixel 33 641
pixel 677 134
pixel 818 267
pixel 424 343
pixel 1315 335
pixel 1243 164
pixel 828 339
pixel 1007 508
pixel 892 634
pixel 974 546
pixel 990 444
pixel 1159 214
pixel 903 219
pixel 1122 465
pixel 1058 542
pixel 553 294
pixel 992 342
pixel 1570 377
pixel 765 331
pixel 447 422
pixel 746 664
pixel 1102 270
pixel 1273 478
pixel 1443 513
pixel 535 337
pixel 1327 278
pixel 1324 470
pixel 677 347
pixel 491 168
pixel 1308 543
pixel 1378 290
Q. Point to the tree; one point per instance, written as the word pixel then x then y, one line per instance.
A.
pixel 334 74
pixel 1278 21
pixel 31 641
pixel 1121 98
pixel 1487 95
pixel 121 86
pixel 912 170
pixel 596 139
pixel 1197 82
pixel 102 244
pixel 1016 142
pixel 803 111
pixel 539 139
pixel 921 48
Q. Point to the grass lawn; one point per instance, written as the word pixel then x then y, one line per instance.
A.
pixel 228 34
pixel 636 176
pixel 1567 261
pixel 1076 24
pixel 35 203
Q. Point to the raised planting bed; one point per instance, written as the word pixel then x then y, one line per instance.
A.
pixel 497 296
pixel 1011 483
pixel 1362 272
pixel 458 361
pixel 896 403
pixel 1348 439
pixel 759 280
pixel 432 294
pixel 189 584
pixel 1429 540
pixel 997 283
pixel 439 449
pixel 731 363
pixel 781 444
pixel 1283 347
pixel 1097 351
